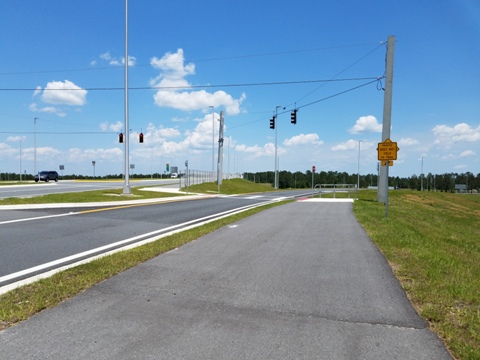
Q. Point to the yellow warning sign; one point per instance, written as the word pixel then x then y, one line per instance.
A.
pixel 387 150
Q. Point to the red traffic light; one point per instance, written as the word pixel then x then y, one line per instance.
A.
pixel 140 137
pixel 120 138
pixel 272 123
pixel 293 117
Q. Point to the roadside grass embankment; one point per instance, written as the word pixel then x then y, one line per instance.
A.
pixel 432 242
pixel 230 187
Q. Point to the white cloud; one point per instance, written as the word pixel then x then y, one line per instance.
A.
pixel 347 145
pixel 407 142
pixel 172 65
pixel 171 79
pixel 257 151
pixel 303 139
pixel 76 155
pixel 16 138
pixel 63 93
pixel 47 109
pixel 366 124
pixel 162 132
pixel 467 153
pixel 117 127
pixel 462 132
pixel 116 61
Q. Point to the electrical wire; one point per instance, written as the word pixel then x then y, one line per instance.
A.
pixel 191 86
pixel 119 67
pixel 341 72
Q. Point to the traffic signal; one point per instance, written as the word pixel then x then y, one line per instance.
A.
pixel 272 123
pixel 120 138
pixel 293 117
pixel 140 137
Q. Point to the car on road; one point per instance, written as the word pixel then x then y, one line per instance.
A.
pixel 46 176
pixel 174 175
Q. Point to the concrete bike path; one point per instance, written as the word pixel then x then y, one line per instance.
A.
pixel 299 281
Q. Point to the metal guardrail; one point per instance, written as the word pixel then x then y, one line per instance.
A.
pixel 336 188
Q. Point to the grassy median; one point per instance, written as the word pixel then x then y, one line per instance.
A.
pixel 432 242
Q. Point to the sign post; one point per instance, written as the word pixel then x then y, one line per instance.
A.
pixel 313 174
pixel 387 152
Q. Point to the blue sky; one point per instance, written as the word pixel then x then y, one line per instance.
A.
pixel 244 58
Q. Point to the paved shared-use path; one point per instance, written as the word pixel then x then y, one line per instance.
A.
pixel 299 281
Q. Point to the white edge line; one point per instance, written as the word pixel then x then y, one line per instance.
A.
pixel 9 287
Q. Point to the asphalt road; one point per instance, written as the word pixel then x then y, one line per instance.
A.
pixel 300 281
pixel 34 241
pixel 30 189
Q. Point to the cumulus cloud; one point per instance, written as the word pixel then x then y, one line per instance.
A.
pixel 76 155
pixel 257 151
pixel 114 61
pixel 347 145
pixel 303 139
pixel 407 142
pixel 47 109
pixel 62 93
pixel 366 124
pixel 467 153
pixel 16 138
pixel 117 127
pixel 446 135
pixel 172 79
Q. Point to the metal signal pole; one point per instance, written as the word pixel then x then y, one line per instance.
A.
pixel 126 185
pixel 387 118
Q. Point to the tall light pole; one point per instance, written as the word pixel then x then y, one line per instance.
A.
pixel 20 159
pixel 358 169
pixel 276 138
pixel 126 185
pixel 34 146
pixel 421 177
pixel 213 141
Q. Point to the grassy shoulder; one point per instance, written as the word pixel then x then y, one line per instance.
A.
pixel 19 304
pixel 229 187
pixel 137 193
pixel 233 186
pixel 431 241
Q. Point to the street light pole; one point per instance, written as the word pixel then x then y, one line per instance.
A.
pixel 213 141
pixel 276 138
pixel 358 169
pixel 421 177
pixel 126 185
pixel 20 159
pixel 35 146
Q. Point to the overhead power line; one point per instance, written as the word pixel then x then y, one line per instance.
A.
pixel 193 86
pixel 233 57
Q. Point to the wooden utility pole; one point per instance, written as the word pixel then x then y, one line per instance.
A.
pixel 382 194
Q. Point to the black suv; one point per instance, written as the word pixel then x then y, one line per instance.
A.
pixel 46 176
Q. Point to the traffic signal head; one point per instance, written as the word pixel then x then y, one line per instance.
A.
pixel 120 138
pixel 272 123
pixel 293 117
pixel 140 137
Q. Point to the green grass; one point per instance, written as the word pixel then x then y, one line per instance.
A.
pixel 21 303
pixel 232 186
pixel 90 196
pixel 432 242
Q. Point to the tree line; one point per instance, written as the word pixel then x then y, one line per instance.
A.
pixel 428 182
pixel 288 180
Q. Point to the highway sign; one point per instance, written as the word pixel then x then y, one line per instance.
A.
pixel 387 150
pixel 384 162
